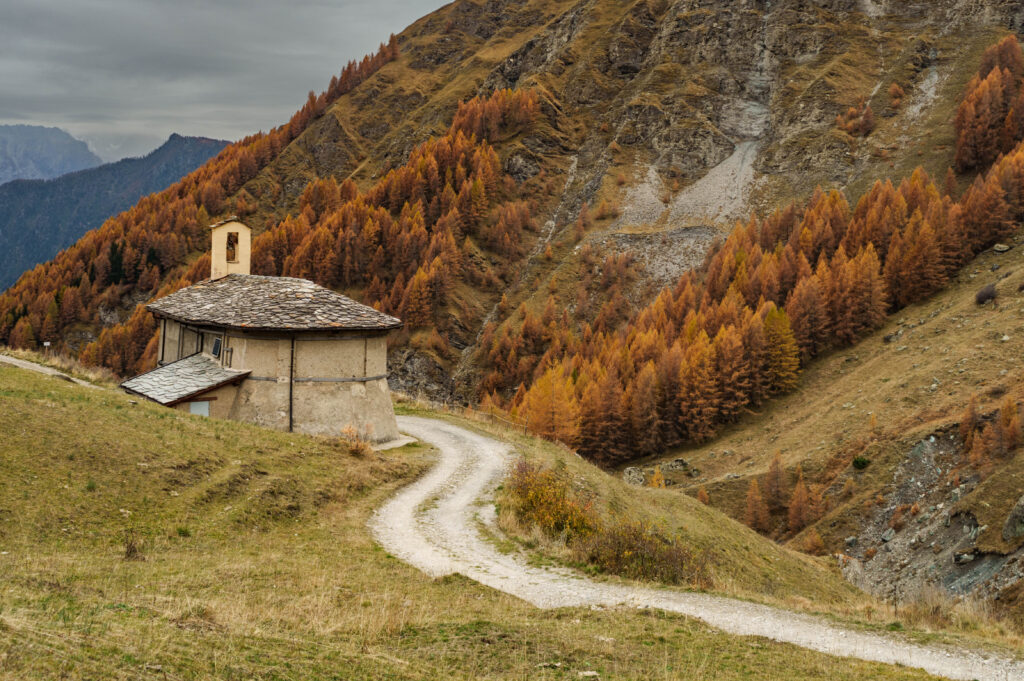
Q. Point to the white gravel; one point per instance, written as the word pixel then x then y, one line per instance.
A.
pixel 720 197
pixel 642 204
pixel 926 95
pixel 433 525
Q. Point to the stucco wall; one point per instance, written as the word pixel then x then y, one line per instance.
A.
pixel 325 399
pixel 340 358
pixel 328 408
pixel 223 402
pixel 264 403
pixel 262 398
pixel 189 342
pixel 219 265
pixel 266 357
pixel 377 364
pixel 169 341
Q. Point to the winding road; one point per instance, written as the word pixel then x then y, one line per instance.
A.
pixel 433 524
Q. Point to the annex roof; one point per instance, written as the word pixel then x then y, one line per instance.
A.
pixel 188 377
pixel 248 301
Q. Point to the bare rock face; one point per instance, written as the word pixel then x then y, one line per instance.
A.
pixel 1014 527
pixel 417 373
pixel 634 476
pixel 332 150
pixel 688 85
pixel 521 166
pixel 547 51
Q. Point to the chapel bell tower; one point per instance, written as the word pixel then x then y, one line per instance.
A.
pixel 232 248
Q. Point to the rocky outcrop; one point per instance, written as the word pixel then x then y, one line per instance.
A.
pixel 634 476
pixel 682 83
pixel 935 544
pixel 685 114
pixel 1014 527
pixel 416 373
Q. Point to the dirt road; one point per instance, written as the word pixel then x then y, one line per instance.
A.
pixel 433 524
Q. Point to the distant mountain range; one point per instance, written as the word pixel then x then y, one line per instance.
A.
pixel 38 218
pixel 30 152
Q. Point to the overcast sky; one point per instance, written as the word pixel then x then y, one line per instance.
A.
pixel 125 74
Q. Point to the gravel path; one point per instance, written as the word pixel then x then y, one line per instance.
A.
pixel 41 369
pixel 433 524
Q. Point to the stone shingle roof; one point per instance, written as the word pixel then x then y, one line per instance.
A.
pixel 233 218
pixel 177 381
pixel 247 301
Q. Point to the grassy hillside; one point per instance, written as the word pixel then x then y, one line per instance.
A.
pixel 740 561
pixel 253 561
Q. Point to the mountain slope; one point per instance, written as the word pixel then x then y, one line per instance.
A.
pixel 896 399
pixel 37 152
pixel 660 115
pixel 38 218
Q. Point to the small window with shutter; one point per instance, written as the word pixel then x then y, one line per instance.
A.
pixel 216 347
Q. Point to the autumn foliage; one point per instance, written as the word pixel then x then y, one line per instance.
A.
pixel 776 293
pixel 403 244
pixel 987 443
pixel 409 239
pixel 544 498
pixel 990 120
pixel 858 120
pixel 774 484
pixel 896 95
pixel 756 515
pixel 799 512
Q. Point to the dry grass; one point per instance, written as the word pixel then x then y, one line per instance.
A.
pixel 276 576
pixel 741 562
pixel 932 609
pixel 542 498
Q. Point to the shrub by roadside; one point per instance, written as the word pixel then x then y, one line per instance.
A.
pixel 544 499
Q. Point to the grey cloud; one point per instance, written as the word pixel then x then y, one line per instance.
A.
pixel 124 74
